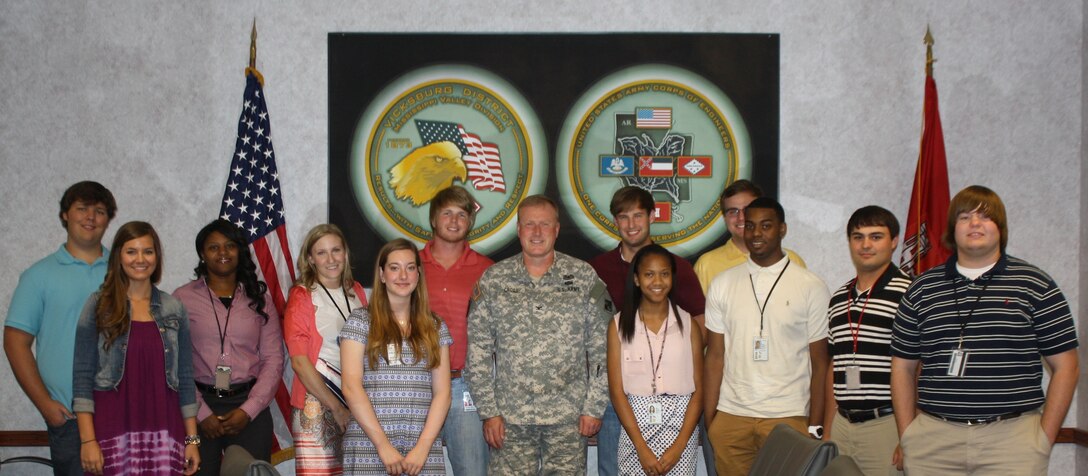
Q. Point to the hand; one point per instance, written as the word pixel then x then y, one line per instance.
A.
pixel 897 457
pixel 649 462
pixel 671 456
pixel 192 459
pixel 55 414
pixel 234 421
pixel 90 457
pixel 392 459
pixel 588 426
pixel 494 431
pixel 212 427
pixel 342 416
pixel 414 460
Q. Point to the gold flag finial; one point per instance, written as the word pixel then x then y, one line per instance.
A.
pixel 253 45
pixel 928 40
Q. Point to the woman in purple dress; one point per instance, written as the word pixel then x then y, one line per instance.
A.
pixel 396 373
pixel 135 401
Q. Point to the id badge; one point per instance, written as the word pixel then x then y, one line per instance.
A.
pixel 653 413
pixel 853 377
pixel 760 352
pixel 466 402
pixel 958 364
pixel 392 355
pixel 222 377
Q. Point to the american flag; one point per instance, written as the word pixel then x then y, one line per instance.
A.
pixel 653 117
pixel 481 158
pixel 253 201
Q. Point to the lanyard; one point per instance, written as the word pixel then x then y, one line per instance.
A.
pixel 346 301
pixel 964 320
pixel 855 333
pixel 221 328
pixel 660 355
pixel 765 301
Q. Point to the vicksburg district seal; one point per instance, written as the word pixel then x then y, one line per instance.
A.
pixel 442 126
pixel 661 128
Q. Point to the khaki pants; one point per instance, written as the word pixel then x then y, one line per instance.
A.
pixel 737 439
pixel 871 443
pixel 1013 447
pixel 539 449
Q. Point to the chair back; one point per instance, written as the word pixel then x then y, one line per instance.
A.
pixel 787 452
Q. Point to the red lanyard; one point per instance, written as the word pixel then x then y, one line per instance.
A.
pixel 854 333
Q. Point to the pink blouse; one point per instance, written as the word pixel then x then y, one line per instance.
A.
pixel 675 373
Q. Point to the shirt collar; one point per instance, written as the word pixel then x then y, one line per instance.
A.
pixel 65 257
pixel 754 268
pixel 950 271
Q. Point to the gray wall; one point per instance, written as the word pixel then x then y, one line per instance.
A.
pixel 143 96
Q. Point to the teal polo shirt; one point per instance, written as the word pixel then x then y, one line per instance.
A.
pixel 46 304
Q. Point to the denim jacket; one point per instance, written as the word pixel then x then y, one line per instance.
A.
pixel 95 368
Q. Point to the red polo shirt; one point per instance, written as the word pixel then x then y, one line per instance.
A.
pixel 450 290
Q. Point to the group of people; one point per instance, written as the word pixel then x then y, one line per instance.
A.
pixel 515 364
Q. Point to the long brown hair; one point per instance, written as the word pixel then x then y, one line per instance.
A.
pixel 307 275
pixel 423 325
pixel 111 313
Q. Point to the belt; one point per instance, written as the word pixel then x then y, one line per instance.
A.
pixel 977 421
pixel 210 390
pixel 860 416
pixel 455 373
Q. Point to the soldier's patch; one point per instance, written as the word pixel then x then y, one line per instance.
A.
pixel 477 293
pixel 599 296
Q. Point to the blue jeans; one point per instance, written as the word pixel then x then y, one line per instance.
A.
pixel 608 443
pixel 463 433
pixel 64 449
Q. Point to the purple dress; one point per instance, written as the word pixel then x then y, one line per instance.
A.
pixel 139 425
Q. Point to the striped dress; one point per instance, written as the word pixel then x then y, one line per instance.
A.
pixel 401 397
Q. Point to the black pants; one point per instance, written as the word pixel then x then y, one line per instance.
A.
pixel 256 438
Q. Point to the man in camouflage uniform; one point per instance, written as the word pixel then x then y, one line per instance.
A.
pixel 543 316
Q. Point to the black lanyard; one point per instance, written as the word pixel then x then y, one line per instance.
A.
pixel 971 311
pixel 765 301
pixel 346 301
pixel 222 328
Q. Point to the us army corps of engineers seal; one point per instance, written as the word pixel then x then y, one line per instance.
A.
pixel 440 126
pixel 661 128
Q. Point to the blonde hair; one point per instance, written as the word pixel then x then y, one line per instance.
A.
pixel 423 325
pixel 307 274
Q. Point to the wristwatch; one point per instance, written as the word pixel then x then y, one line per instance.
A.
pixel 816 431
pixel 195 440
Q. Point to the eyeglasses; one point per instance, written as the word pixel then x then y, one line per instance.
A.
pixel 733 212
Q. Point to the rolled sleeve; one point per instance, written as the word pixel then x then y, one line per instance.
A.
pixel 85 363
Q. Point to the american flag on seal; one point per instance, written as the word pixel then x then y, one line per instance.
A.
pixel 253 201
pixel 481 158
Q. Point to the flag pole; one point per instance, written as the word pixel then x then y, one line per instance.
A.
pixel 928 40
pixel 252 69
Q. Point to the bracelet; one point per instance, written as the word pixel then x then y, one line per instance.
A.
pixel 88 441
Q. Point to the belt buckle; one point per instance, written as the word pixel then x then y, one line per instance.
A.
pixel 220 393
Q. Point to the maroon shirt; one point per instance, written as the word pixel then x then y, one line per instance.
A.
pixel 686 291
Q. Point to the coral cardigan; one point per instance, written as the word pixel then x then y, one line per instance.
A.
pixel 300 332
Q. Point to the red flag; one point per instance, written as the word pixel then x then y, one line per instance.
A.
pixel 928 215
pixel 253 201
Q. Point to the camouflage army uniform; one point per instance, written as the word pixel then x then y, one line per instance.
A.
pixel 541 334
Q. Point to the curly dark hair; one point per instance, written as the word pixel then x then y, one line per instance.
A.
pixel 246 273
